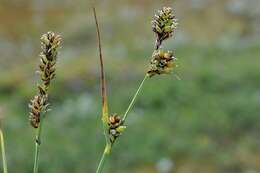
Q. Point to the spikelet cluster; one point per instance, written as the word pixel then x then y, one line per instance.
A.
pixel 37 105
pixel 48 58
pixel 116 127
pixel 50 43
pixel 163 25
pixel 162 63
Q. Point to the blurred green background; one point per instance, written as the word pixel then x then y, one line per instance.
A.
pixel 207 122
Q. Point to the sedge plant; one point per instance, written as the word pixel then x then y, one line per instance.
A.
pixel 164 24
pixel 39 105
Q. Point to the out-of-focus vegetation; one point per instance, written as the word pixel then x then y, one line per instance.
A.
pixel 206 122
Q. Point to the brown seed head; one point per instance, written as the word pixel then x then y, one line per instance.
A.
pixel 35 111
pixel 116 127
pixel 48 57
pixel 50 44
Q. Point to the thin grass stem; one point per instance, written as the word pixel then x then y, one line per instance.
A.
pixel 3 151
pixel 103 159
pixel 37 148
pixel 134 98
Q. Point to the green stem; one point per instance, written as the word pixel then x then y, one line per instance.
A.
pixel 37 148
pixel 3 151
pixel 103 158
pixel 107 149
pixel 134 98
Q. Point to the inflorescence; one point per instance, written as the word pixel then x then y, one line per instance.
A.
pixel 162 63
pixel 163 25
pixel 116 127
pixel 48 58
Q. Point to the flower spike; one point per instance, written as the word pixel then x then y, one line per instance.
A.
pixel 163 25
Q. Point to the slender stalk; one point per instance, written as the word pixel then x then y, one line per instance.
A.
pixel 103 159
pixel 134 98
pixel 101 163
pixel 37 148
pixel 3 151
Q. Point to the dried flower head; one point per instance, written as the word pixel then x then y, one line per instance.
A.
pixel 39 104
pixel 116 127
pixel 164 24
pixel 162 63
pixel 50 44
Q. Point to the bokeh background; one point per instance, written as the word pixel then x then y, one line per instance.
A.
pixel 207 122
